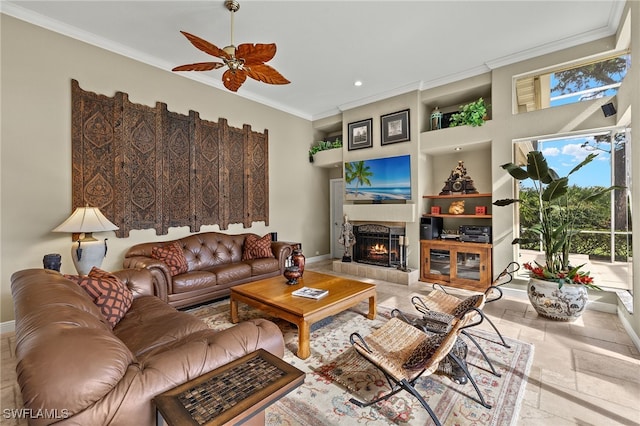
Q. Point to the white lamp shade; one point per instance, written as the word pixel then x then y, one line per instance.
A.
pixel 85 220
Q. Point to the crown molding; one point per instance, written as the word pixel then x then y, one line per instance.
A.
pixel 415 86
pixel 452 78
pixel 617 9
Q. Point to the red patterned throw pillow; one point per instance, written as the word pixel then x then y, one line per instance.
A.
pixel 173 256
pixel 110 294
pixel 257 248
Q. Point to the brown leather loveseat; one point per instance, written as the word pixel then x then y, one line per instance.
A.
pixel 74 368
pixel 214 263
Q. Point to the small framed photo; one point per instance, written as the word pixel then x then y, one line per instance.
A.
pixel 360 134
pixel 395 127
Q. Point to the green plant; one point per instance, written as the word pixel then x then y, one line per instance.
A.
pixel 557 217
pixel 323 146
pixel 471 114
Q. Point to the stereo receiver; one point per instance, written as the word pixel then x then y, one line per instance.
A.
pixel 475 234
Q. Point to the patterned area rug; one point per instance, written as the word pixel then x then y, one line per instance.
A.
pixel 323 399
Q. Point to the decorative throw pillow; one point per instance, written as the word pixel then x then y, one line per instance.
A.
pixel 423 352
pixel 173 256
pixel 110 294
pixel 257 248
pixel 466 304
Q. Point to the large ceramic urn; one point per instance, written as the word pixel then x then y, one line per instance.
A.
pixel 562 304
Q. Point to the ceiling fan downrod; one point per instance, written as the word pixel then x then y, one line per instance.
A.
pixel 233 6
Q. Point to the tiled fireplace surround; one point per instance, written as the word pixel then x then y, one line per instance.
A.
pixel 388 215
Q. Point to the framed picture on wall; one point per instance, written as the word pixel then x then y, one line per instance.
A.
pixel 360 134
pixel 395 127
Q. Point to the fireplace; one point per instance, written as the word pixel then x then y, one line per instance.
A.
pixel 377 244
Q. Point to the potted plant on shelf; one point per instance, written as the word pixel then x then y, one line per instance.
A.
pixel 471 114
pixel 323 146
pixel 557 289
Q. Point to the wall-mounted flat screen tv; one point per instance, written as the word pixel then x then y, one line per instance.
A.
pixel 378 179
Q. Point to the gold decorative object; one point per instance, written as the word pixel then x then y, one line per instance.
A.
pixel 457 207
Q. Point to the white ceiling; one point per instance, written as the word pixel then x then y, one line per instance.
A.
pixel 324 46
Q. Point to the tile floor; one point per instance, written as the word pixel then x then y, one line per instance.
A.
pixel 584 373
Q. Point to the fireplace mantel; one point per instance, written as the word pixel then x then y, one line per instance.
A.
pixel 380 212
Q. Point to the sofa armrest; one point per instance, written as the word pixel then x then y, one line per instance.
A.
pixel 162 279
pixel 281 251
pixel 139 281
pixel 173 364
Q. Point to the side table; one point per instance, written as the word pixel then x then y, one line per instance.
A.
pixel 233 393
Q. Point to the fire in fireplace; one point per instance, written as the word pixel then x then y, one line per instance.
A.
pixel 377 244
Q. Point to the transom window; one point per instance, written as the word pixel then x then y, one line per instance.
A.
pixel 561 86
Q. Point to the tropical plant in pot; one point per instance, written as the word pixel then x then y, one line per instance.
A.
pixel 557 289
pixel 323 146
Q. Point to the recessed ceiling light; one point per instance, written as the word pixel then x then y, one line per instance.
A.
pixel 457 148
pixel 358 83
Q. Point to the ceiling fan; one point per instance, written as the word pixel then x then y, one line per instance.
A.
pixel 246 60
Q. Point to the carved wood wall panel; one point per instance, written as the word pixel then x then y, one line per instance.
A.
pixel 146 167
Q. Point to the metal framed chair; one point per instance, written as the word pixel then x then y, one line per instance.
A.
pixel 439 304
pixel 404 353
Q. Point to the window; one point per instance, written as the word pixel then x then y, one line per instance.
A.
pixel 586 81
pixel 605 240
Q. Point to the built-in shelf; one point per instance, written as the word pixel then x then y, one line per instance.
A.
pixel 479 195
pixel 458 196
pixel 465 137
pixel 452 216
pixel 328 159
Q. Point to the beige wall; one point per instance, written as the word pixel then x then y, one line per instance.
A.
pixel 37 68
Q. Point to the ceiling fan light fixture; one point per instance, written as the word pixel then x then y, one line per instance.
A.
pixel 245 60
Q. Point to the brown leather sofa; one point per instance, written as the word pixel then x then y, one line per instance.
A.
pixel 72 364
pixel 214 265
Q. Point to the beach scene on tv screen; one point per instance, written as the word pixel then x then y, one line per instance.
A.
pixel 378 179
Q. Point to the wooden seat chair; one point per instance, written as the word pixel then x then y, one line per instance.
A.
pixel 405 353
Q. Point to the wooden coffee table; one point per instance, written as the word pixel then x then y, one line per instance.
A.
pixel 273 296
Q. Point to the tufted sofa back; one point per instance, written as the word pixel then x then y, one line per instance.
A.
pixel 211 249
pixel 202 251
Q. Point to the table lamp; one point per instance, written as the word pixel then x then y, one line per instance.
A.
pixel 90 251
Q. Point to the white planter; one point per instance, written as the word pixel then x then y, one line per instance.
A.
pixel 564 304
pixel 329 158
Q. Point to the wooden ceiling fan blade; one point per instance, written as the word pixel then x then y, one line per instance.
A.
pixel 206 46
pixel 257 53
pixel 232 80
pixel 199 66
pixel 265 74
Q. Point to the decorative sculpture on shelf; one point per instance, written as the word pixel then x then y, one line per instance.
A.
pixel 459 181
pixel 456 207
pixel 347 239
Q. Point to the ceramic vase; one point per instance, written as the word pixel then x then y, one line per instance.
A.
pixel 298 260
pixel 561 304
pixel 292 273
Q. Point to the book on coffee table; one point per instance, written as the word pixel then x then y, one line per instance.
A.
pixel 311 293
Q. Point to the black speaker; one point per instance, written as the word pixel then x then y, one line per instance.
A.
pixel 608 109
pixel 430 228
